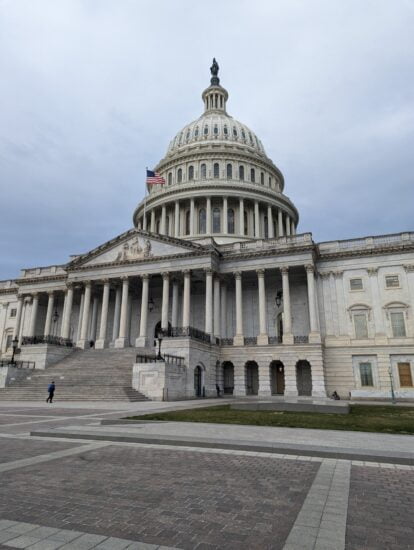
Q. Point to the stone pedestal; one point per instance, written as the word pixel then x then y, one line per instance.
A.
pixel 262 339
pixel 142 342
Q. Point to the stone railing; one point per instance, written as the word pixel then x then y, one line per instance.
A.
pixel 42 271
pixel 153 358
pixel 250 340
pixel 301 339
pixel 226 341
pixel 17 364
pixel 47 339
pixel 275 340
pixel 265 244
pixel 366 243
pixel 191 332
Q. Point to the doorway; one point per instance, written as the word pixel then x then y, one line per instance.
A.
pixel 228 378
pixel 304 378
pixel 277 378
pixel 252 378
pixel 198 381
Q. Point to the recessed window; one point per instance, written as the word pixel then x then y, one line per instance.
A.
pixel 246 222
pixel 241 173
pixel 169 178
pixel 216 220
pixel 266 227
pixel 405 375
pixel 191 172
pixel 365 371
pixel 230 221
pixel 234 131
pixel 187 223
pixel 203 170
pixel 225 130
pixel 355 284
pixel 187 137
pixel 205 130
pixel 179 175
pixel 9 341
pixel 216 170
pixel 252 175
pixel 215 130
pixel 397 324
pixel 392 281
pixel 202 221
pixel 262 178
pixel 196 132
pixel 229 171
pixel 361 326
pixel 13 312
pixel 243 133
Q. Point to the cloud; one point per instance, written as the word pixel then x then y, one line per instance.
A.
pixel 93 90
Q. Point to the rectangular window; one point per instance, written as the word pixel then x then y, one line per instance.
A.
pixel 398 324
pixel 404 373
pixel 13 312
pixel 365 370
pixel 392 281
pixel 361 327
pixel 355 284
pixel 9 340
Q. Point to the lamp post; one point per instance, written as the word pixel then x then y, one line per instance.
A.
pixel 159 338
pixel 393 400
pixel 15 343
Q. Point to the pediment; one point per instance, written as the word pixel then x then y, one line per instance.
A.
pixel 132 246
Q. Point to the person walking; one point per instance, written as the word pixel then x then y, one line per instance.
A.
pixel 51 390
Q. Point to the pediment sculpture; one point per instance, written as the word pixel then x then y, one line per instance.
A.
pixel 134 251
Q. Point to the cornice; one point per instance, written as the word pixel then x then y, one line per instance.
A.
pixel 226 256
pixel 377 251
pixel 9 291
pixel 46 278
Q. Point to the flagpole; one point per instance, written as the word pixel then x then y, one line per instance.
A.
pixel 145 200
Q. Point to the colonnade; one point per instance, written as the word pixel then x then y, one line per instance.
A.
pixel 214 314
pixel 218 215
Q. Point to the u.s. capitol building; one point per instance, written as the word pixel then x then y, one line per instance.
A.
pixel 215 261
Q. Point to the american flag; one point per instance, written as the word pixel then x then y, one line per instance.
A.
pixel 154 177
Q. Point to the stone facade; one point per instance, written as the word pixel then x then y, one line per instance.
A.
pixel 214 262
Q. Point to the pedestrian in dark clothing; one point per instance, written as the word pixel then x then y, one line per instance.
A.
pixel 51 390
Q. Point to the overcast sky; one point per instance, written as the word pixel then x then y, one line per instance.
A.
pixel 92 91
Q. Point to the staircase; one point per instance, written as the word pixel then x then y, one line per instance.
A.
pixel 85 375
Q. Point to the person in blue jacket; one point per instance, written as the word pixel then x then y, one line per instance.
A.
pixel 51 390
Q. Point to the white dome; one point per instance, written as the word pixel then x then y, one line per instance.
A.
pixel 215 128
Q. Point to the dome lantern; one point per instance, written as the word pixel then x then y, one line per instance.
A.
pixel 215 96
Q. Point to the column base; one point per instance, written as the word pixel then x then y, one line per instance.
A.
pixel 287 339
pixel 238 340
pixel 101 344
pixel 121 343
pixel 319 393
pixel 142 342
pixel 291 393
pixel 262 340
pixel 264 392
pixel 315 338
pixel 83 344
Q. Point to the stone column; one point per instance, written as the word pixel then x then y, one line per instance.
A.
pixel 122 340
pixel 280 223
pixel 142 340
pixel 292 228
pixel 314 336
pixel 163 226
pixel 223 296
pixel 209 302
pixel 186 298
pixel 94 322
pixel 16 330
pixel 117 312
pixel 78 332
pixel 256 220
pixel 165 301
pixel 49 313
pixel 241 216
pixel 192 209
pixel 33 317
pixel 291 387
pixel 380 334
pixel 287 316
pixel 263 338
pixel 270 222
pixel 83 342
pixel 208 216
pixel 287 225
pixel 174 312
pixel 238 339
pixel 177 219
pixel 216 331
pixel 102 341
pixel 67 312
pixel 225 221
pixel 152 227
pixel 144 222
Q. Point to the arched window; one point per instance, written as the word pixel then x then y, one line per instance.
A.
pixel 230 221
pixel 266 227
pixel 243 134
pixel 205 130
pixel 169 178
pixel 270 181
pixel 202 221
pixel 252 175
pixel 262 178
pixel 225 130
pixel 216 170
pixel 191 172
pixel 216 220
pixel 229 171
pixel 234 131
pixel 215 130
pixel 203 171
pixel 241 173
pixel 187 137
pixel 187 223
pixel 246 223
pixel 196 132
pixel 179 175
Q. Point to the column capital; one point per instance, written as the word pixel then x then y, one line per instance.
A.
pixel 409 268
pixel 165 276
pixel 145 276
pixel 50 293
pixel 337 274
pixel 87 283
pixel 310 268
pixel 124 278
pixel 105 281
pixel 237 274
pixel 69 285
pixel 186 271
pixel 372 271
pixel 284 269
pixel 260 272
pixel 35 294
pixel 208 271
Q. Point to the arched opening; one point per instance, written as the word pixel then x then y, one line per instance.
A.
pixel 170 178
pixel 216 220
pixel 203 170
pixel 241 173
pixel 230 221
pixel 228 378
pixel 202 221
pixel 229 171
pixel 304 377
pixel 252 175
pixel 216 170
pixel 187 223
pixel 277 378
pixel 262 178
pixel 179 175
pixel 252 378
pixel 191 173
pixel 246 223
pixel 198 381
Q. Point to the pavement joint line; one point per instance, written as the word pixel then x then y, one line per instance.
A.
pixel 17 534
pixel 322 518
pixel 24 462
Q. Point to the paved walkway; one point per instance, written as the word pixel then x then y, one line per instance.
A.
pixel 82 493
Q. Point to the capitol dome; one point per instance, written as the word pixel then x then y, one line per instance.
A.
pixel 219 181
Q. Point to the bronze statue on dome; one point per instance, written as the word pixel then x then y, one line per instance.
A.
pixel 214 69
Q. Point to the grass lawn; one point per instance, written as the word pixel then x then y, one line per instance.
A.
pixel 362 418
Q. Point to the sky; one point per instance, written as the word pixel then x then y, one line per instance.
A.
pixel 92 91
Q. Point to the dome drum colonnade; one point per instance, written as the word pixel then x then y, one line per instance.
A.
pixel 219 182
